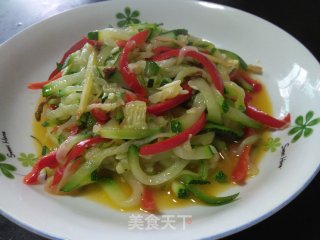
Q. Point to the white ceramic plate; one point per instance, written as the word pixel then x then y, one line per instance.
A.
pixel 291 75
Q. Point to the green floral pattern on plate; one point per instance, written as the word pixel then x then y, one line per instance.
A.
pixel 6 168
pixel 272 144
pixel 128 17
pixel 303 126
pixel 27 160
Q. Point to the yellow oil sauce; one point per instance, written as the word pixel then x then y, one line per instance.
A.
pixel 40 134
pixel 165 199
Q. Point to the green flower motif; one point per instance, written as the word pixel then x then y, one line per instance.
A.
pixel 303 127
pixel 272 144
pixel 27 160
pixel 127 17
pixel 6 168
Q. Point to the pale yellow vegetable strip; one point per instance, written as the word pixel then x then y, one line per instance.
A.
pixel 88 83
pixel 219 60
pixel 166 39
pixel 255 69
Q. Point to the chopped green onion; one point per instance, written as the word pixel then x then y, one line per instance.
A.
pixel 45 150
pixel 150 83
pixel 87 120
pixel 45 124
pixel 59 66
pixel 199 182
pixel 220 177
pixel 176 126
pixel 93 35
pixel 151 68
pixel 225 106
pixel 179 190
pixel 165 81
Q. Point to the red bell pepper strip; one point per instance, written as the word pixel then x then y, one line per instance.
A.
pixel 165 55
pixel 161 49
pixel 148 202
pixel 207 64
pixel 266 119
pixel 58 174
pixel 256 86
pixel 53 106
pixel 233 75
pixel 239 174
pixel 74 130
pixel 75 152
pixel 121 43
pixel 39 85
pixel 128 76
pixel 48 160
pixel 78 45
pixel 91 41
pixel 247 98
pixel 159 108
pixel 210 67
pixel 75 165
pixel 176 140
pixel 80 147
pixel 57 73
pixel 129 97
pixel 100 116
